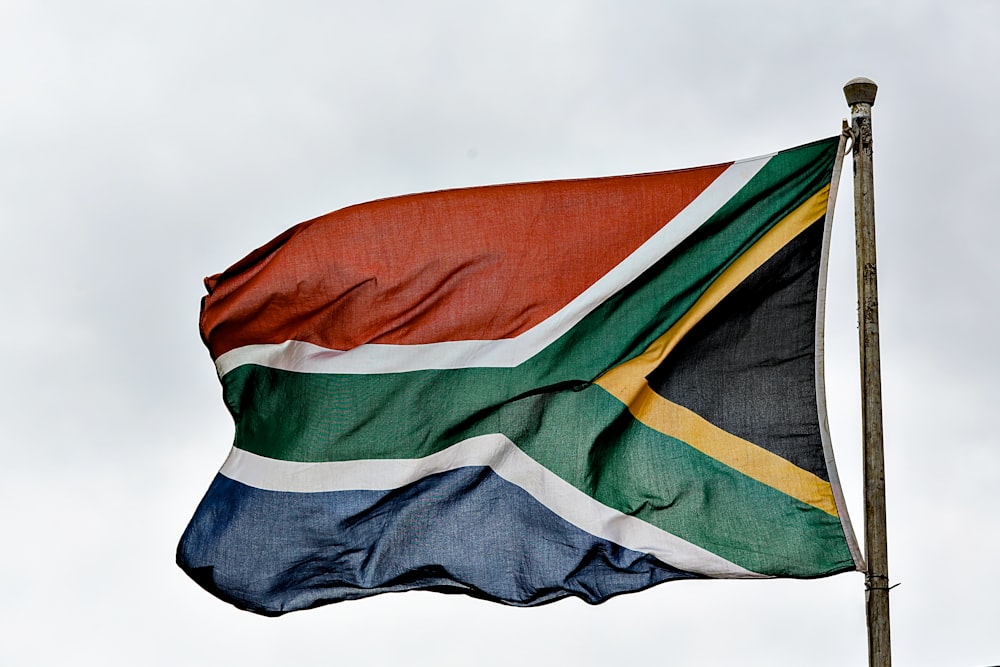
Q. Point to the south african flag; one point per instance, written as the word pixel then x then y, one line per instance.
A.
pixel 531 391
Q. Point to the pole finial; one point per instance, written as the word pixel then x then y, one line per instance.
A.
pixel 860 90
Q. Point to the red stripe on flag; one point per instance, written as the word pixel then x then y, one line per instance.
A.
pixel 476 263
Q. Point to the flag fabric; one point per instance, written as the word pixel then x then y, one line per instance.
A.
pixel 531 391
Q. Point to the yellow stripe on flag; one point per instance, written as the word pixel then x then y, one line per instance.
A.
pixel 627 382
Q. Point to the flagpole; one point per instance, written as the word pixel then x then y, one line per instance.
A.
pixel 860 94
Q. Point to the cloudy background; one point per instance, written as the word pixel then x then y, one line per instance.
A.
pixel 146 144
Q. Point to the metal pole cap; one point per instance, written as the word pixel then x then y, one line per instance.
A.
pixel 860 90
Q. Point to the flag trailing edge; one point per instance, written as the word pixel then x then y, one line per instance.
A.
pixel 530 391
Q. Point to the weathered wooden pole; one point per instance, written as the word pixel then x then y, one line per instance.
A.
pixel 860 94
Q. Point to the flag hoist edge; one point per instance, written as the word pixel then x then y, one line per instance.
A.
pixel 531 391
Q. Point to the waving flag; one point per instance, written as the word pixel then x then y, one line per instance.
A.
pixel 526 392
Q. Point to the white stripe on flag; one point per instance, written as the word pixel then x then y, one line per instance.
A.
pixel 501 455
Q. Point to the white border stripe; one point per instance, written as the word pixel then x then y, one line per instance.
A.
pixel 502 456
pixel 824 418
pixel 509 352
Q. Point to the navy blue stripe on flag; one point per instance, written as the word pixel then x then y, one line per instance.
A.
pixel 463 531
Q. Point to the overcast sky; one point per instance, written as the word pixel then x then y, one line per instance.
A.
pixel 147 144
